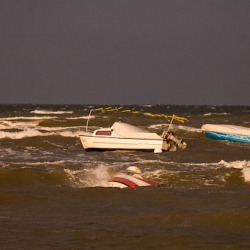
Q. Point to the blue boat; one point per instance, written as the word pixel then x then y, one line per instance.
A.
pixel 226 132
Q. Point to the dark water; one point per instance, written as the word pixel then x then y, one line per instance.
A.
pixel 54 195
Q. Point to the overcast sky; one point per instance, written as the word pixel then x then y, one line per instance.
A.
pixel 125 52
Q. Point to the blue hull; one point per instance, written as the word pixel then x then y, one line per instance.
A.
pixel 228 137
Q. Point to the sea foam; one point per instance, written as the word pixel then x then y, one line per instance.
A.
pixel 40 111
pixel 210 114
pixel 94 177
pixel 243 165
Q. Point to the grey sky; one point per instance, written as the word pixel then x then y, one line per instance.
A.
pixel 125 52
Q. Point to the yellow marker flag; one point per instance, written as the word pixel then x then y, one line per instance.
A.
pixel 101 108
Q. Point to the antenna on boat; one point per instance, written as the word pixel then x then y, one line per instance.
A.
pixel 87 123
pixel 170 123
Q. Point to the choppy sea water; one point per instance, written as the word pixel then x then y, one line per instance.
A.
pixel 54 195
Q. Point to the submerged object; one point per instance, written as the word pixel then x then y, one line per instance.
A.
pixel 226 132
pixel 132 178
pixel 123 136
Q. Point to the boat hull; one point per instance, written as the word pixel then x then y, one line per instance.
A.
pixel 226 132
pixel 123 136
pixel 123 180
pixel 117 143
pixel 224 136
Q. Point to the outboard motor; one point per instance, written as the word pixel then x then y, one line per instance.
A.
pixel 169 137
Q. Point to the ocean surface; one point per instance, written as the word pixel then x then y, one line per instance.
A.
pixel 54 195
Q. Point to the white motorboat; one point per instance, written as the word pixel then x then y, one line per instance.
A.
pixel 226 132
pixel 123 136
pixel 131 178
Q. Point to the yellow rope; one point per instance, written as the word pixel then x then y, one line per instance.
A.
pixel 167 117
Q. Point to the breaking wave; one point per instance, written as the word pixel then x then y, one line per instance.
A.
pixel 4 119
pixel 220 114
pixel 40 111
pixel 243 165
pixel 84 174
pixel 34 132
pixel 95 177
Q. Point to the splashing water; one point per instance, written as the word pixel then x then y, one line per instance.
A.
pixel 96 177
pixel 243 165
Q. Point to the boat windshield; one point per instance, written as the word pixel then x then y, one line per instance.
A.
pixel 103 132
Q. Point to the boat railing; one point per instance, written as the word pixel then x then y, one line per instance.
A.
pixel 87 123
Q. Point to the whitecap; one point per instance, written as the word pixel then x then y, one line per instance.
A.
pixel 27 118
pixel 94 177
pixel 34 133
pixel 243 165
pixel 189 129
pixel 81 117
pixel 234 164
pixel 40 111
pixel 10 125
pixel 22 134
pixel 246 174
pixel 210 114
